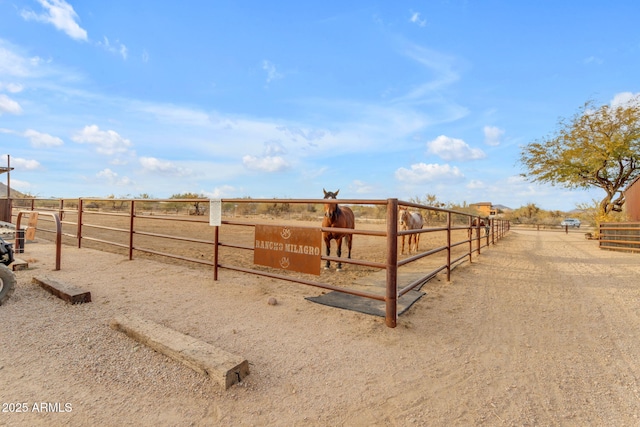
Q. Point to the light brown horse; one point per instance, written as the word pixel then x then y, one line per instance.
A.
pixel 410 221
pixel 338 217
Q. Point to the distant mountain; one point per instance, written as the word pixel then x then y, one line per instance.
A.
pixel 501 208
pixel 14 193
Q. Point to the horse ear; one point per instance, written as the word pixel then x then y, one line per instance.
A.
pixel 336 193
pixel 325 192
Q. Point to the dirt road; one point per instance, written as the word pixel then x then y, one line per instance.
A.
pixel 542 329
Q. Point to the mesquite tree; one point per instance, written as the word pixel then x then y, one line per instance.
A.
pixel 598 147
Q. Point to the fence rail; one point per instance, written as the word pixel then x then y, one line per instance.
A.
pixel 179 230
pixel 620 236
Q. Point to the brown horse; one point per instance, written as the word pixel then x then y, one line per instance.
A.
pixel 338 217
pixel 410 221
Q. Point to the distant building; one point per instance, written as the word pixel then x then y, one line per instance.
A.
pixel 484 208
pixel 632 200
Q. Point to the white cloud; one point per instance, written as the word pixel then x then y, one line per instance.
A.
pixel 270 161
pixel 475 184
pixel 361 187
pixel 415 18
pixel 272 73
pixel 151 164
pixel 61 15
pixel 11 64
pixel 11 87
pixel 118 48
pixel 24 164
pixel 624 99
pixel 422 172
pixel 449 148
pixel 8 105
pixel 220 192
pixel 41 140
pixel 112 177
pixel 265 163
pixel 22 186
pixel 493 135
pixel 105 142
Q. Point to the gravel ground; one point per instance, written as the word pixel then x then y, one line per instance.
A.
pixel 541 329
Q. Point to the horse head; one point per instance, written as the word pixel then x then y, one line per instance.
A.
pixel 404 216
pixel 330 209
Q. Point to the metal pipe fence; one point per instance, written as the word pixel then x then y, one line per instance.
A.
pixel 620 236
pixel 178 229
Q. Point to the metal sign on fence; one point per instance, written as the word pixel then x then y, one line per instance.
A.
pixel 288 248
pixel 215 212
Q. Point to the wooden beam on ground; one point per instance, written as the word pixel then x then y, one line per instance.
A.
pixel 223 367
pixel 67 292
pixel 19 264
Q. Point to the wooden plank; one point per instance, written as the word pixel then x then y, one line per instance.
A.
pixel 19 264
pixel 221 366
pixel 67 292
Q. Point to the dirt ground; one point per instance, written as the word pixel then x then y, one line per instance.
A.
pixel 541 329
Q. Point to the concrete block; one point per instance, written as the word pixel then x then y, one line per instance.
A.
pixel 69 293
pixel 221 366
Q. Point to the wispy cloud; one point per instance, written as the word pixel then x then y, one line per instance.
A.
pixel 11 87
pixel 61 15
pixel 272 73
pixel 416 19
pixel 593 60
pixel 449 148
pixel 117 48
pixel 493 135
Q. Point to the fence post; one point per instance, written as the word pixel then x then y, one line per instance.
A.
pixel 391 299
pixel 79 229
pixel 131 219
pixel 448 246
pixel 215 252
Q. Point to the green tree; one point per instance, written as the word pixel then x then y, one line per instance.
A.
pixel 198 209
pixel 597 147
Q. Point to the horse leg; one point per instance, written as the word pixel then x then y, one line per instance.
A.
pixel 417 242
pixel 402 251
pixel 339 252
pixel 327 243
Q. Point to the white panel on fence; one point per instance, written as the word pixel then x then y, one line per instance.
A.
pixel 215 212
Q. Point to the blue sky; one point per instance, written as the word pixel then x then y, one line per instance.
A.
pixel 282 99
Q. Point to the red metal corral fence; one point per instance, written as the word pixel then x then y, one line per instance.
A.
pixel 227 234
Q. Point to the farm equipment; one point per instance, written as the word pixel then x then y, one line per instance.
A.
pixel 7 278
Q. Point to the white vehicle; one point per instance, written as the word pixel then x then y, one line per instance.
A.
pixel 570 222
